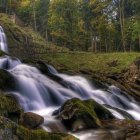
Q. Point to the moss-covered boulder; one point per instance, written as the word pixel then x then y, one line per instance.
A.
pixel 77 114
pixel 12 131
pixel 31 120
pixel 7 81
pixel 9 107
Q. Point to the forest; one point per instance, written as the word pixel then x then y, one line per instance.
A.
pixel 85 25
pixel 69 69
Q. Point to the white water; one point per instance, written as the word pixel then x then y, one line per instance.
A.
pixel 3 41
pixel 40 94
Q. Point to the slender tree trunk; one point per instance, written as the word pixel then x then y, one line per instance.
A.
pixel 139 41
pixel 95 42
pixel 121 11
pixel 106 49
pixel 92 43
pixel 34 14
pixel 46 35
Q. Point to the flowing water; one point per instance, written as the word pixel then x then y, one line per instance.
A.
pixel 39 93
pixel 3 42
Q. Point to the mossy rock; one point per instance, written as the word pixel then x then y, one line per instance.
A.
pixel 7 81
pixel 31 120
pixel 9 107
pixel 12 131
pixel 77 114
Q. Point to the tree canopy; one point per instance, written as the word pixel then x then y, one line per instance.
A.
pixel 90 25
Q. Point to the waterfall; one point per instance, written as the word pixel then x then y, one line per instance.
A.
pixel 37 91
pixel 3 41
pixel 43 95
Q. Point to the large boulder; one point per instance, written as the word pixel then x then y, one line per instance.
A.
pixel 7 81
pixel 31 120
pixel 77 114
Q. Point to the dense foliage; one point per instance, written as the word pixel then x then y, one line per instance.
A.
pixel 93 25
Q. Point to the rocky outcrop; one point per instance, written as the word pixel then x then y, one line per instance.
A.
pixel 31 120
pixel 77 114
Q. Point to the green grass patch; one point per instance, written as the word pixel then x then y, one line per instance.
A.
pixel 76 61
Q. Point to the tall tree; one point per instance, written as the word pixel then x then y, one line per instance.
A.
pixel 63 21
pixel 42 17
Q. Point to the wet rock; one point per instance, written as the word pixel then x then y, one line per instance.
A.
pixel 124 113
pixel 7 81
pixel 7 129
pixel 44 68
pixel 77 114
pixel 31 120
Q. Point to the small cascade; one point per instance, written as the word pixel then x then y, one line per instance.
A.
pixel 8 63
pixel 3 41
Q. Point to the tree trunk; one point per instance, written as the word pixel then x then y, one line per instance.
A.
pixel 106 49
pixel 91 38
pixel 95 42
pixel 46 35
pixel 139 41
pixel 34 15
pixel 121 11
pixel 95 46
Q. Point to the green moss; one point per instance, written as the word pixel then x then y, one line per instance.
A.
pixel 2 53
pixel 9 107
pixel 86 114
pixel 26 134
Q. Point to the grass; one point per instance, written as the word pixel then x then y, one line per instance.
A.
pixel 76 61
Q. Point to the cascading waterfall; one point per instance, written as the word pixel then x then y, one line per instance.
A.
pixel 37 92
pixel 3 41
pixel 43 95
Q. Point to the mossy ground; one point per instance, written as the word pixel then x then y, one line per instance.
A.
pixel 97 63
pixel 24 40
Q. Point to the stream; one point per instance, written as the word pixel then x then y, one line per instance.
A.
pixel 43 95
